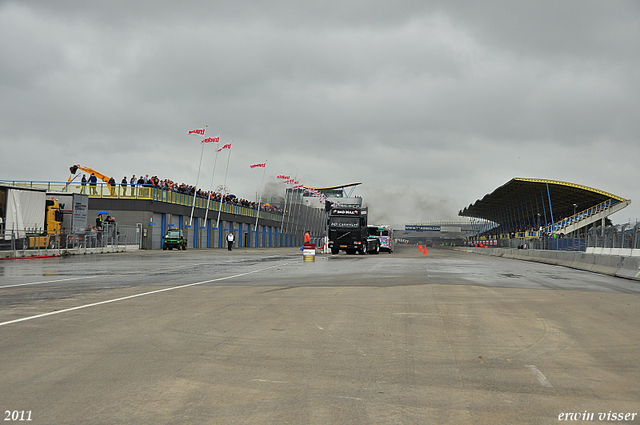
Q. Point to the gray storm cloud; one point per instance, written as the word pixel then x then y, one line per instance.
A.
pixel 430 105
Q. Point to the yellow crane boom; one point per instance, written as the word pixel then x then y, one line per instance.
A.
pixel 74 169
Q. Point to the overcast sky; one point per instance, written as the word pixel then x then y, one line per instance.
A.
pixel 430 104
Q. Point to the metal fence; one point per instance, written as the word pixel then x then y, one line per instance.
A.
pixel 546 243
pixel 618 236
pixel 112 235
pixel 623 236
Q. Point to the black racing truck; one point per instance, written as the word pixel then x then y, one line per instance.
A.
pixel 174 239
pixel 348 232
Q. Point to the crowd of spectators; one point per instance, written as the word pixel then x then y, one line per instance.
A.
pixel 527 230
pixel 169 185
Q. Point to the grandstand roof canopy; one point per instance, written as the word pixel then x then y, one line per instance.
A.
pixel 530 197
pixel 342 186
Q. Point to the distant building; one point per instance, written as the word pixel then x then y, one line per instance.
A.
pixel 315 197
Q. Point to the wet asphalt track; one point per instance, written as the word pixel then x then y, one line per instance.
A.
pixel 261 337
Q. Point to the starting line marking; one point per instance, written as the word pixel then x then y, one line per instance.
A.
pixel 80 307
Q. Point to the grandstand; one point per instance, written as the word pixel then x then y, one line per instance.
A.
pixel 532 208
pixel 341 195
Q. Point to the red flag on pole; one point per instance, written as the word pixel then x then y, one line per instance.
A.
pixel 283 177
pixel 227 146
pixel 197 131
pixel 258 165
pixel 211 140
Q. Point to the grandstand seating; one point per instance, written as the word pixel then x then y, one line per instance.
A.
pixel 586 217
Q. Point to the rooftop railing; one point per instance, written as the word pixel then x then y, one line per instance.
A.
pixel 145 192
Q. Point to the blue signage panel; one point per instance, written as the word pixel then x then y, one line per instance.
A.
pixel 421 228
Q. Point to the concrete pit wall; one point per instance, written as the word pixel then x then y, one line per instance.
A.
pixel 627 267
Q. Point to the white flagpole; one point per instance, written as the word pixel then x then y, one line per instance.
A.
pixel 260 199
pixel 283 228
pixel 291 206
pixel 286 193
pixel 206 214
pixel 306 218
pixel 224 186
pixel 297 218
pixel 284 208
pixel 195 190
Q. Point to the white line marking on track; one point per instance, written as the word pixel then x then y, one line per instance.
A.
pixel 47 281
pixel 433 314
pixel 543 379
pixel 187 266
pixel 80 307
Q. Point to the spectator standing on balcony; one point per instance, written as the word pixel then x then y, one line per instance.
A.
pixel 230 239
pixel 124 186
pixel 84 183
pixel 132 183
pixel 112 186
pixel 93 181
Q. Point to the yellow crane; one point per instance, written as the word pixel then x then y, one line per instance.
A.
pixel 74 169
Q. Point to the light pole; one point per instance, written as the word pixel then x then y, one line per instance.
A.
pixel 575 207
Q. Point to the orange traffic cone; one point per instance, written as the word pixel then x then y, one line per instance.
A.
pixel 420 248
pixel 425 250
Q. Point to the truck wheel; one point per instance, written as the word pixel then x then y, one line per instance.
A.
pixel 363 248
pixel 377 250
pixel 334 251
pixel 164 247
pixel 184 247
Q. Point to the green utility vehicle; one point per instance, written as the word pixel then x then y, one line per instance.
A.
pixel 174 239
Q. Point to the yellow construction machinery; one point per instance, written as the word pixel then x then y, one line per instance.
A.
pixel 74 169
pixel 31 219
